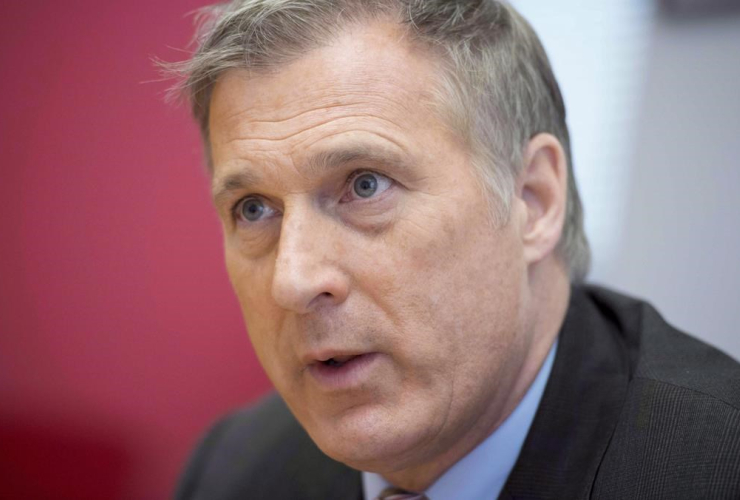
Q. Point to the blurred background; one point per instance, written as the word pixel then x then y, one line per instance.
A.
pixel 120 339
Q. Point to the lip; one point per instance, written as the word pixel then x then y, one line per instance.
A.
pixel 319 355
pixel 350 374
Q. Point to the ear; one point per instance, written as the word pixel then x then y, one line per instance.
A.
pixel 542 190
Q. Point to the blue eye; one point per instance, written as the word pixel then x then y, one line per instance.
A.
pixel 369 184
pixel 365 185
pixel 252 209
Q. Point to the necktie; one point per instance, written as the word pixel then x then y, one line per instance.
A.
pixel 393 493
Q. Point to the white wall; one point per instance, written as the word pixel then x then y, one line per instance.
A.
pixel 680 244
pixel 654 112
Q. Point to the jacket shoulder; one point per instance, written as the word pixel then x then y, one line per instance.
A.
pixel 662 353
pixel 678 435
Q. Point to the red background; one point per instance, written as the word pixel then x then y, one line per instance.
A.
pixel 120 339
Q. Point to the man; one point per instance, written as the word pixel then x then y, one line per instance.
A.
pixel 404 235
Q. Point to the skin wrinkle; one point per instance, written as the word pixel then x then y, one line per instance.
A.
pixel 422 96
pixel 299 132
pixel 317 109
pixel 322 108
pixel 333 121
pixel 301 141
pixel 223 178
pixel 351 95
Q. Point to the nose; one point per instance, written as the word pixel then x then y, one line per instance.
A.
pixel 307 273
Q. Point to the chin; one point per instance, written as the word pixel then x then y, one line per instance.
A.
pixel 370 439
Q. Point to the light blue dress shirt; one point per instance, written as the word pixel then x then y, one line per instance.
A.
pixel 482 473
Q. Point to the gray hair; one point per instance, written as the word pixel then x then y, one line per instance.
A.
pixel 497 88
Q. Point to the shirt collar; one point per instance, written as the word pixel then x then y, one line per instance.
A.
pixel 482 473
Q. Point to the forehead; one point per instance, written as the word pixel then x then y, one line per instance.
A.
pixel 376 57
pixel 367 71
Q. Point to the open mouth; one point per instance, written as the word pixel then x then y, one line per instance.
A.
pixel 338 361
pixel 343 372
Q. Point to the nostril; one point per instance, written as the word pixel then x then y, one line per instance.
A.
pixel 322 298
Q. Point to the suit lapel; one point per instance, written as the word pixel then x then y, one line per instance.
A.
pixel 579 408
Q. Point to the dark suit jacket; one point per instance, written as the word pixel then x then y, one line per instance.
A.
pixel 632 409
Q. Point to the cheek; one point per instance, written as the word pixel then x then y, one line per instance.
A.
pixel 251 284
pixel 413 278
pixel 245 280
pixel 460 276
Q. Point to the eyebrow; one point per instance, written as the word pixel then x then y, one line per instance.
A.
pixel 238 181
pixel 316 165
pixel 358 153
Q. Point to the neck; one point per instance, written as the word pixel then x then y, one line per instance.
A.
pixel 545 306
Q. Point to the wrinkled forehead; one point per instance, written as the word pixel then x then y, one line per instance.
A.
pixel 369 65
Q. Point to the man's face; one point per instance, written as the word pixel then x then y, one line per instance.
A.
pixel 381 300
